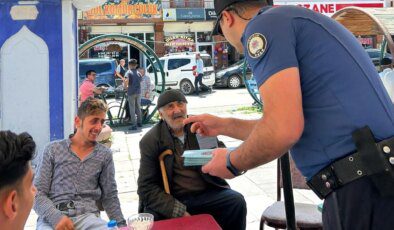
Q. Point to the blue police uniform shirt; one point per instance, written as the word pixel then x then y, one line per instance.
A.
pixel 341 90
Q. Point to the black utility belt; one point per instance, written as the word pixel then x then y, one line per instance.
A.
pixel 375 160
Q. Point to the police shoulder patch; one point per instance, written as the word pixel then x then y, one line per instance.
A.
pixel 257 44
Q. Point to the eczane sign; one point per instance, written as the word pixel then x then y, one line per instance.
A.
pixel 328 8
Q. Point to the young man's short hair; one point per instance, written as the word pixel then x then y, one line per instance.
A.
pixel 91 106
pixel 89 72
pixel 16 151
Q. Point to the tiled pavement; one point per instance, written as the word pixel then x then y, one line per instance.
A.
pixel 258 185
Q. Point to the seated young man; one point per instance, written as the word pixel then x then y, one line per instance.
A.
pixel 76 173
pixel 192 192
pixel 16 179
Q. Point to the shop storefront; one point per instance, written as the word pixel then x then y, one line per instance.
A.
pixel 133 18
pixel 188 42
pixel 328 8
pixel 119 50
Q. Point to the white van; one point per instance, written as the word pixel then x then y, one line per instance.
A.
pixel 178 70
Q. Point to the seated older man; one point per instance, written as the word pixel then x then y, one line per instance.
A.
pixel 192 192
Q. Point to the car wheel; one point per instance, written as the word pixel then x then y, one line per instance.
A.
pixel 234 81
pixel 186 87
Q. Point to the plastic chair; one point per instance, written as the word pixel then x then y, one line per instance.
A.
pixel 307 216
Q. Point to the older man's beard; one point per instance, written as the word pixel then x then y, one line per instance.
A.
pixel 175 124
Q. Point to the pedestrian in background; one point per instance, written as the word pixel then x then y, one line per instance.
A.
pixel 200 73
pixel 134 95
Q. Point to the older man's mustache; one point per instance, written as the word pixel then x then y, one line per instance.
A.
pixel 178 115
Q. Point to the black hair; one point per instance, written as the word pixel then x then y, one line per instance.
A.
pixel 241 8
pixel 89 72
pixel 16 151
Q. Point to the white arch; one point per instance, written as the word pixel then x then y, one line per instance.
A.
pixel 24 86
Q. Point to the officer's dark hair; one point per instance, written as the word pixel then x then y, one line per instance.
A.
pixel 89 72
pixel 16 151
pixel 91 106
pixel 240 8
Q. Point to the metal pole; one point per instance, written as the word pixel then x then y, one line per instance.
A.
pixel 288 192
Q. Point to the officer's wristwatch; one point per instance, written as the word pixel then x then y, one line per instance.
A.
pixel 231 167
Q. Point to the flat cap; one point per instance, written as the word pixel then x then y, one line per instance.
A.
pixel 170 96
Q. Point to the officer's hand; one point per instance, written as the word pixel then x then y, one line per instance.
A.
pixel 205 124
pixel 217 166
pixel 65 223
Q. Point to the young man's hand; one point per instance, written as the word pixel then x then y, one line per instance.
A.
pixel 65 223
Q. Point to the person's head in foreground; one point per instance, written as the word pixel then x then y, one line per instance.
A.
pixel 172 109
pixel 90 119
pixel 16 176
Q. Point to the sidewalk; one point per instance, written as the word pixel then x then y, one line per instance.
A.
pixel 258 185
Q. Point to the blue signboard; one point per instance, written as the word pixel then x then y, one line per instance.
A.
pixel 190 14
pixel 210 14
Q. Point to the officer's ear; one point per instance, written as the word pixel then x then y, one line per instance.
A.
pixel 228 18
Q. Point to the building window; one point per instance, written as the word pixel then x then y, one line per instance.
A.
pixel 150 40
pixel 179 42
pixel 186 3
pixel 204 37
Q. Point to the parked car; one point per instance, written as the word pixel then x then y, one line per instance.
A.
pixel 374 54
pixel 232 77
pixel 178 69
pixel 105 69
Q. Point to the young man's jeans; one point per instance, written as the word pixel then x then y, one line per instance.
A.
pixel 87 221
pixel 135 108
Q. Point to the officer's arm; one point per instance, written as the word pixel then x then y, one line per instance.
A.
pixel 281 125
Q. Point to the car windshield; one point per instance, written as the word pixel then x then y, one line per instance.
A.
pixel 99 67
pixel 150 69
pixel 373 53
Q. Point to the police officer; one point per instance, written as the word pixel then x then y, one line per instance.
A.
pixel 319 89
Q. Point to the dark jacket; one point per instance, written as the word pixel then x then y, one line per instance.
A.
pixel 150 185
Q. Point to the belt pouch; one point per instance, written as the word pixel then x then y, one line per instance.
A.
pixel 375 162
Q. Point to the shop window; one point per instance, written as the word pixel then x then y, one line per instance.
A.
pixel 177 63
pixel 150 40
pixel 204 37
pixel 179 42
pixel 139 36
pixel 187 3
